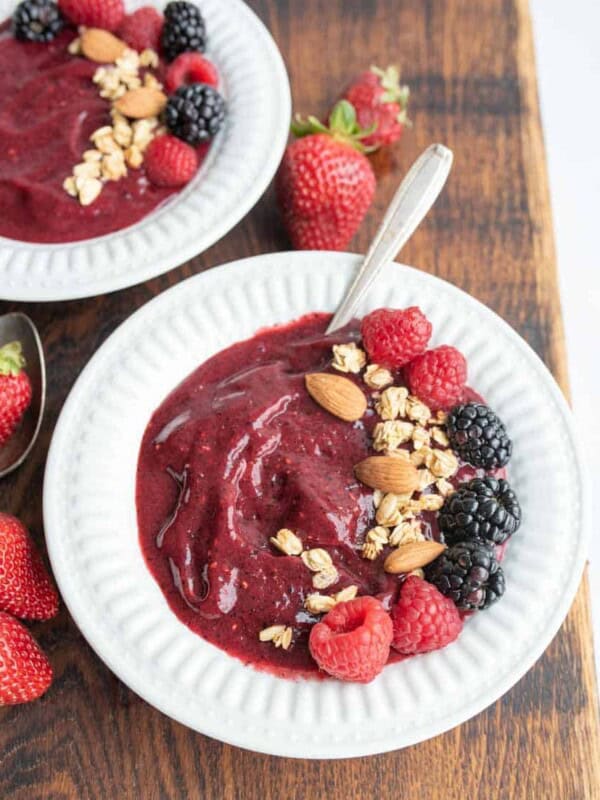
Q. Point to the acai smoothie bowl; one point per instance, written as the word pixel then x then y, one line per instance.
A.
pixel 124 130
pixel 310 544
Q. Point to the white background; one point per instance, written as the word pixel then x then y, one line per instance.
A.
pixel 568 56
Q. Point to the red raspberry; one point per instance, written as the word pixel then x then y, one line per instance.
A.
pixel 142 29
pixel 438 377
pixel 352 641
pixel 170 162
pixel 106 14
pixel 393 337
pixel 190 68
pixel 423 619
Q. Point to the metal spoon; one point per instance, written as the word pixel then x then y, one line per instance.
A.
pixel 417 193
pixel 18 327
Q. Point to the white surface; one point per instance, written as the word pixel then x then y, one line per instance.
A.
pixel 240 164
pixel 90 520
pixel 566 37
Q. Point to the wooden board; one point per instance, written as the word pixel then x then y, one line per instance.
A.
pixel 471 67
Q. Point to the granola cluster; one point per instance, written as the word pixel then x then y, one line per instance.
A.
pixel 408 430
pixel 121 145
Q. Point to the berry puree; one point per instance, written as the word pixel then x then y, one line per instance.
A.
pixel 237 452
pixel 50 106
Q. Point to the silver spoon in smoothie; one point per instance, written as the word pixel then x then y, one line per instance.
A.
pixel 17 327
pixel 413 199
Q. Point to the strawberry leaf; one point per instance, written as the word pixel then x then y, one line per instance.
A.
pixel 11 359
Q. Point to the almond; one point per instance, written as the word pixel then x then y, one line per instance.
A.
pixel 336 394
pixel 412 556
pixel 141 103
pixel 101 46
pixel 388 473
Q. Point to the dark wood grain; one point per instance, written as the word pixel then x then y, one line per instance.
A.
pixel 470 64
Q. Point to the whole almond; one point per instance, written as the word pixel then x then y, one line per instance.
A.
pixel 141 103
pixel 388 473
pixel 101 46
pixel 336 394
pixel 412 556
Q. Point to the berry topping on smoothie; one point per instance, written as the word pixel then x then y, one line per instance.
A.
pixel 76 169
pixel 291 477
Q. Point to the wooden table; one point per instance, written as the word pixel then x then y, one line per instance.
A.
pixel 471 68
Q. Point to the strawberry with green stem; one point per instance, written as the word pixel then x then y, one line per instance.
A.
pixel 15 389
pixel 325 183
pixel 381 103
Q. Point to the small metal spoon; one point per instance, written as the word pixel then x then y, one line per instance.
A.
pixel 18 327
pixel 417 193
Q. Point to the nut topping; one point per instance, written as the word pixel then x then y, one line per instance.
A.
pixel 336 394
pixel 141 103
pixel 388 474
pixel 412 556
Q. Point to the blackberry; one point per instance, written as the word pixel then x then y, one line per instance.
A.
pixel 195 113
pixel 469 574
pixel 479 436
pixel 482 508
pixel 37 21
pixel 184 30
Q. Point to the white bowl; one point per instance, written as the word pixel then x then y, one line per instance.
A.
pixel 241 162
pixel 90 518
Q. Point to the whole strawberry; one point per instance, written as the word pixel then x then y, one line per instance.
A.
pixel 325 183
pixel 15 390
pixel 423 618
pixel 25 672
pixel 381 103
pixel 107 14
pixel 26 590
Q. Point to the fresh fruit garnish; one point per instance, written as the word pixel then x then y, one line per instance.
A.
pixel 15 389
pixel 37 21
pixel 393 337
pixel 190 68
pixel 380 102
pixel 469 574
pixel 325 184
pixel 184 29
pixel 438 377
pixel 142 29
pixel 479 436
pixel 195 113
pixel 26 590
pixel 107 14
pixel 170 162
pixel 483 508
pixel 25 672
pixel 352 642
pixel 423 619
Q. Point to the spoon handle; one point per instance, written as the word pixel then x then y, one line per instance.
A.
pixel 413 199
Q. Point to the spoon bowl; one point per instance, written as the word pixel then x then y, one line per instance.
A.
pixel 18 327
